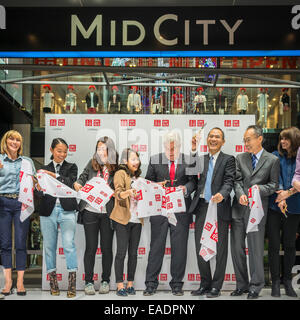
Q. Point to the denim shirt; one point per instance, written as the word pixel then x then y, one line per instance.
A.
pixel 287 170
pixel 9 174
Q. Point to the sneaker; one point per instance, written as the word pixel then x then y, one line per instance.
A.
pixel 130 290
pixel 89 289
pixel 104 287
pixel 122 293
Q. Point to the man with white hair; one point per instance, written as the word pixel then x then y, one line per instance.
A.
pixel 169 169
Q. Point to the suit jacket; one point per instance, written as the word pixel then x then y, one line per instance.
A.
pixel 265 175
pixel 67 175
pixel 87 174
pixel 158 170
pixel 88 100
pixel 222 182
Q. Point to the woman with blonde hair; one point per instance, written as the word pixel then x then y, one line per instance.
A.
pixel 11 158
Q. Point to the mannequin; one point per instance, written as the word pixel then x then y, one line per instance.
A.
pixel 71 100
pixel 35 240
pixel 284 108
pixel 47 99
pixel 157 101
pixel 220 102
pixel 134 102
pixel 199 102
pixel 92 100
pixel 177 102
pixel 114 103
pixel 262 105
pixel 242 102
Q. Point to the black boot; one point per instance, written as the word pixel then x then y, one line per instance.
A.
pixel 275 288
pixel 72 285
pixel 289 291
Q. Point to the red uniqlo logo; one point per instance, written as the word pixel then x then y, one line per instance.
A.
pixel 198 277
pixel 25 190
pixel 135 147
pixel 192 123
pixel 142 251
pixel 72 147
pixel 157 197
pixel 165 123
pixel 227 123
pixel 227 277
pixel 170 205
pixel 132 123
pixel 200 123
pixel 192 225
pixel 179 202
pixel 238 148
pixel 143 148
pixel 124 122
pixel 163 277
pixel 87 188
pixel 139 195
pixel 214 235
pixel 99 251
pixel 235 123
pixel 98 200
pixel 167 251
pixel 88 122
pixel 61 251
pixel 95 277
pixel 233 277
pixel 252 220
pixel 97 123
pixel 203 148
pixel 61 122
pixel 157 123
pixel 53 122
pixel 191 277
pixel 90 198
pixel 246 251
pixel 208 226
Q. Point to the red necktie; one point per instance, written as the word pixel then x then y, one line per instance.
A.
pixel 172 172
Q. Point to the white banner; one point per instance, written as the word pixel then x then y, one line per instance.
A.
pixel 256 209
pixel 144 134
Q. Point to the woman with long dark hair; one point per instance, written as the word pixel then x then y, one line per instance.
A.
pixel 277 222
pixel 103 164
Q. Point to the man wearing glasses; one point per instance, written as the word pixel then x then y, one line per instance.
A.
pixel 254 167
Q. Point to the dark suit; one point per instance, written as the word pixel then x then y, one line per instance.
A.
pixel 266 176
pixel 222 182
pixel 158 170
pixel 67 175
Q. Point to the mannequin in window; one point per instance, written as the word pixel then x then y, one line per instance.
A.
pixel 242 102
pixel 47 99
pixel 92 100
pixel 284 108
pixel 157 101
pixel 177 102
pixel 262 105
pixel 114 103
pixel 220 102
pixel 199 102
pixel 134 102
pixel 70 100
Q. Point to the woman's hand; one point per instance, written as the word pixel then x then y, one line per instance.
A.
pixel 77 186
pixel 282 195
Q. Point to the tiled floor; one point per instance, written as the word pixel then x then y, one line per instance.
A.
pixel 36 294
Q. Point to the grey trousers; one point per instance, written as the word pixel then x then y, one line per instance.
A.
pixel 255 251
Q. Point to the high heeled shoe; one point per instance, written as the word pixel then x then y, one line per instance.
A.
pixel 11 291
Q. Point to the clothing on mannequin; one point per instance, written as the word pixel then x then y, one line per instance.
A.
pixel 284 108
pixel 70 100
pixel 47 99
pixel 157 101
pixel 262 105
pixel 199 102
pixel 177 102
pixel 114 103
pixel 134 102
pixel 92 100
pixel 242 102
pixel 220 102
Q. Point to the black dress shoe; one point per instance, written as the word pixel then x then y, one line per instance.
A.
pixel 275 289
pixel 238 292
pixel 149 291
pixel 213 293
pixel 21 293
pixel 200 292
pixel 289 290
pixel 252 295
pixel 177 292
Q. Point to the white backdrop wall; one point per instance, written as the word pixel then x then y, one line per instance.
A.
pixel 143 133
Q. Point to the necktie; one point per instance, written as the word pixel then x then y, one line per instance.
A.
pixel 57 168
pixel 207 193
pixel 253 159
pixel 172 172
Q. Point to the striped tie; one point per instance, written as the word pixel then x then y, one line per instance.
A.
pixel 253 159
pixel 207 192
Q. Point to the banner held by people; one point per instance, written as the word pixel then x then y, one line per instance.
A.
pixel 256 209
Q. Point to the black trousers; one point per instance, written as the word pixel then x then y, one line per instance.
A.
pixel 93 223
pixel 178 238
pixel 277 222
pixel 207 281
pixel 128 238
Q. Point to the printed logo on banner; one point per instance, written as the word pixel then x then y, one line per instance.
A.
pixel 57 122
pixel 192 225
pixel 227 277
pixel 167 251
pixel 127 122
pixel 92 122
pixel 60 251
pixel 191 277
pixel 139 148
pixel 163 277
pixel 203 148
pixel 208 226
pixel 61 122
pixel 196 123
pixel 99 251
pixel 238 148
pixel 233 277
pixel 95 277
pixel 72 147
pixel 198 277
pixel 53 122
pixel 142 251
pixel 235 123
pixel 227 123
pixel 161 123
pixel 87 188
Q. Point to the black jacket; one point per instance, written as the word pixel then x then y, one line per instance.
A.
pixel 222 182
pixel 95 100
pixel 67 175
